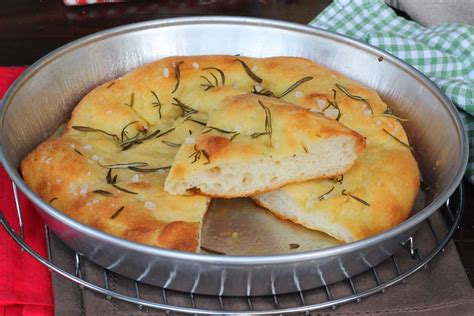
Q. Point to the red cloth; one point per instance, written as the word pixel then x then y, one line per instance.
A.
pixel 25 284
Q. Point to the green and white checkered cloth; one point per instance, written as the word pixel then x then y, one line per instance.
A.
pixel 444 53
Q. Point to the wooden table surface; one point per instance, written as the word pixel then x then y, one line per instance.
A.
pixel 31 28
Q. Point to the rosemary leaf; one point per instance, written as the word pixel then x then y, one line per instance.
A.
pixel 177 74
pixel 171 144
pixel 216 252
pixel 103 192
pixel 358 199
pixel 398 140
pixel 234 136
pixel 294 86
pixel 268 123
pixel 186 109
pixel 122 189
pixel 78 152
pixel 220 72
pixel 123 134
pixel 148 170
pixel 117 212
pixel 157 103
pixel 249 72
pixel 87 129
pixel 205 154
pixel 132 100
pixel 110 84
pixel 189 118
pixel 52 200
pixel 124 165
pixel 219 130
pixel 355 97
pixel 108 177
pixel 338 180
pixel 294 246
pixel 389 113
pixel 322 196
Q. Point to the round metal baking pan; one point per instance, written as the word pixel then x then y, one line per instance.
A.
pixel 45 94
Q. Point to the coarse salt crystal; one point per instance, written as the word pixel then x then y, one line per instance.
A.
pixel 95 157
pixel 161 171
pixel 276 145
pixel 84 189
pixel 196 66
pixel 87 147
pixel 72 146
pixel 390 125
pixel 321 103
pixel 258 88
pixel 367 112
pixel 135 178
pixel 331 112
pixel 89 174
pixel 150 205
pixel 166 72
pixel 299 94
pixel 189 140
pixel 315 110
pixel 48 160
pixel 72 187
pixel 378 122
pixel 89 204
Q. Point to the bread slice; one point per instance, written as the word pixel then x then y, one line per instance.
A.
pixel 256 144
pixel 371 197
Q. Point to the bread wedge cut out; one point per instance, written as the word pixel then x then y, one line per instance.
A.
pixel 254 144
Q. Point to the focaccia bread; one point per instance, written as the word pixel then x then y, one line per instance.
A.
pixel 254 144
pixel 109 167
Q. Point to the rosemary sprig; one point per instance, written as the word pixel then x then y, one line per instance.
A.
pixel 124 165
pixel 209 84
pixel 268 123
pixel 110 84
pixel 157 103
pixel 148 170
pixel 355 97
pixel 294 86
pixel 123 134
pixel 389 113
pixel 87 129
pixel 197 155
pixel 398 140
pixel 132 100
pixel 137 140
pixel 249 72
pixel 216 252
pixel 117 212
pixel 322 196
pixel 103 192
pixel 334 104
pixel 358 199
pixel 186 109
pixel 294 246
pixel 171 144
pixel 177 74
pixel 113 182
pixel 78 152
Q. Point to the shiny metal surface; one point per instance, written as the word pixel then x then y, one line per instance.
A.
pixel 43 97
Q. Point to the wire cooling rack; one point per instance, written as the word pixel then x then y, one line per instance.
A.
pixel 408 260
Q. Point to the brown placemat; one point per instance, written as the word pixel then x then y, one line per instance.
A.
pixel 442 288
